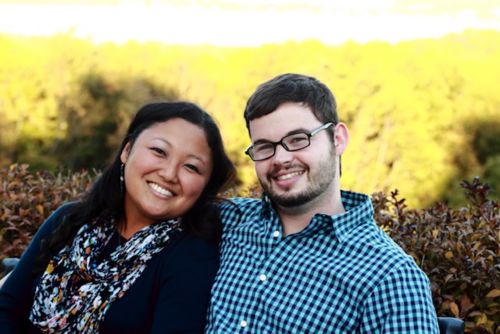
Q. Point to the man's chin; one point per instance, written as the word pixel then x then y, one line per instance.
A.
pixel 286 198
pixel 289 200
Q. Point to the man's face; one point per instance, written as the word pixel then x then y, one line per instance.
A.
pixel 294 178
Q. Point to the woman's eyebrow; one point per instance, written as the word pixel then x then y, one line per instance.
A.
pixel 197 157
pixel 163 140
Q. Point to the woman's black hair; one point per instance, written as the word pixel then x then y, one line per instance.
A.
pixel 106 198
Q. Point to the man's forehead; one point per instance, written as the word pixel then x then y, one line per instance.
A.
pixel 286 118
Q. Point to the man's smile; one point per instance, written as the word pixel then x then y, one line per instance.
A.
pixel 288 175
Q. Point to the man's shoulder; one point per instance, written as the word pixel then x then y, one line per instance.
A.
pixel 371 244
pixel 242 204
pixel 234 210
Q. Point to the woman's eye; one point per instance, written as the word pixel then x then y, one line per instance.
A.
pixel 193 168
pixel 158 150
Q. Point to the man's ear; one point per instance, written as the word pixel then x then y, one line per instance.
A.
pixel 125 153
pixel 341 138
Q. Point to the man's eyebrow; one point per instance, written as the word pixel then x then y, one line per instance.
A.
pixel 261 141
pixel 299 130
pixel 292 132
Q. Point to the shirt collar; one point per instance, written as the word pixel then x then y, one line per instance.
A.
pixel 358 210
pixel 267 207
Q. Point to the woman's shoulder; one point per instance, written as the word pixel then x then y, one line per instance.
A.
pixel 190 246
pixel 183 260
pixel 62 211
pixel 187 253
pixel 55 218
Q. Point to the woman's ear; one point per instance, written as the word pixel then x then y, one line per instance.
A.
pixel 125 153
pixel 341 138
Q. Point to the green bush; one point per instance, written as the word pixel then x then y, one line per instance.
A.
pixel 457 248
pixel 421 120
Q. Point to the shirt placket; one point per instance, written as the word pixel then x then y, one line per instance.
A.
pixel 265 280
pixel 252 320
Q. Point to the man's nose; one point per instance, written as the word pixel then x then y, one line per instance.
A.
pixel 281 155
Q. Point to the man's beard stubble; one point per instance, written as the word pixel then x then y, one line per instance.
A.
pixel 318 182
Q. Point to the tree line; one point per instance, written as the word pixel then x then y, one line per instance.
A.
pixel 422 114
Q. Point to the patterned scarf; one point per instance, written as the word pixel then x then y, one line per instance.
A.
pixel 76 290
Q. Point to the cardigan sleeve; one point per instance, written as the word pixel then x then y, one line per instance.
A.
pixel 16 295
pixel 184 291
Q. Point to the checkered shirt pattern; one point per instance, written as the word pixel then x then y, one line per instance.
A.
pixel 341 274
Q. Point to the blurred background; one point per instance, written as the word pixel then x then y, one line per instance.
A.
pixel 417 82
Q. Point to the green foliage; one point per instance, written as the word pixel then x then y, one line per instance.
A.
pixel 96 115
pixel 486 140
pixel 422 114
pixel 492 173
pixel 459 249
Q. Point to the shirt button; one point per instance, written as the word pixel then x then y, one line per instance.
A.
pixel 243 323
pixel 276 234
pixel 262 277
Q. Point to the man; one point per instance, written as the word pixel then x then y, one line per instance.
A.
pixel 308 257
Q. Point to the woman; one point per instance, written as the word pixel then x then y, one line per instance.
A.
pixel 139 253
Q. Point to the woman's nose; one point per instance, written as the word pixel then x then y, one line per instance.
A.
pixel 168 172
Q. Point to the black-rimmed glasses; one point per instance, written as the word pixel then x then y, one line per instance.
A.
pixel 294 142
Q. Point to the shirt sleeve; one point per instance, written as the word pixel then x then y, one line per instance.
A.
pixel 401 303
pixel 185 288
pixel 16 295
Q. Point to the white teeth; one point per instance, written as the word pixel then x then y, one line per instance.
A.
pixel 288 176
pixel 160 190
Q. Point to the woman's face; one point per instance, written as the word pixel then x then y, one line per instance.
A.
pixel 166 170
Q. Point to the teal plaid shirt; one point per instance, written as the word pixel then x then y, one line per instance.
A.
pixel 341 274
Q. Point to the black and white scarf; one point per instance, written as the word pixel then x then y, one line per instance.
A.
pixel 76 290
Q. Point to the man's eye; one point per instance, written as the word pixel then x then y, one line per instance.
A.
pixel 263 147
pixel 298 140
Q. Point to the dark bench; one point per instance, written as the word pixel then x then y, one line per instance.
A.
pixel 448 325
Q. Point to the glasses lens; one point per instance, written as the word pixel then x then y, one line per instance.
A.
pixel 262 151
pixel 296 141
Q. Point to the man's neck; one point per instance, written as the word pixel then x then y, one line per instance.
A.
pixel 295 219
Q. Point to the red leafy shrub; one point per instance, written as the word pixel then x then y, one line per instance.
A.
pixel 27 199
pixel 457 248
